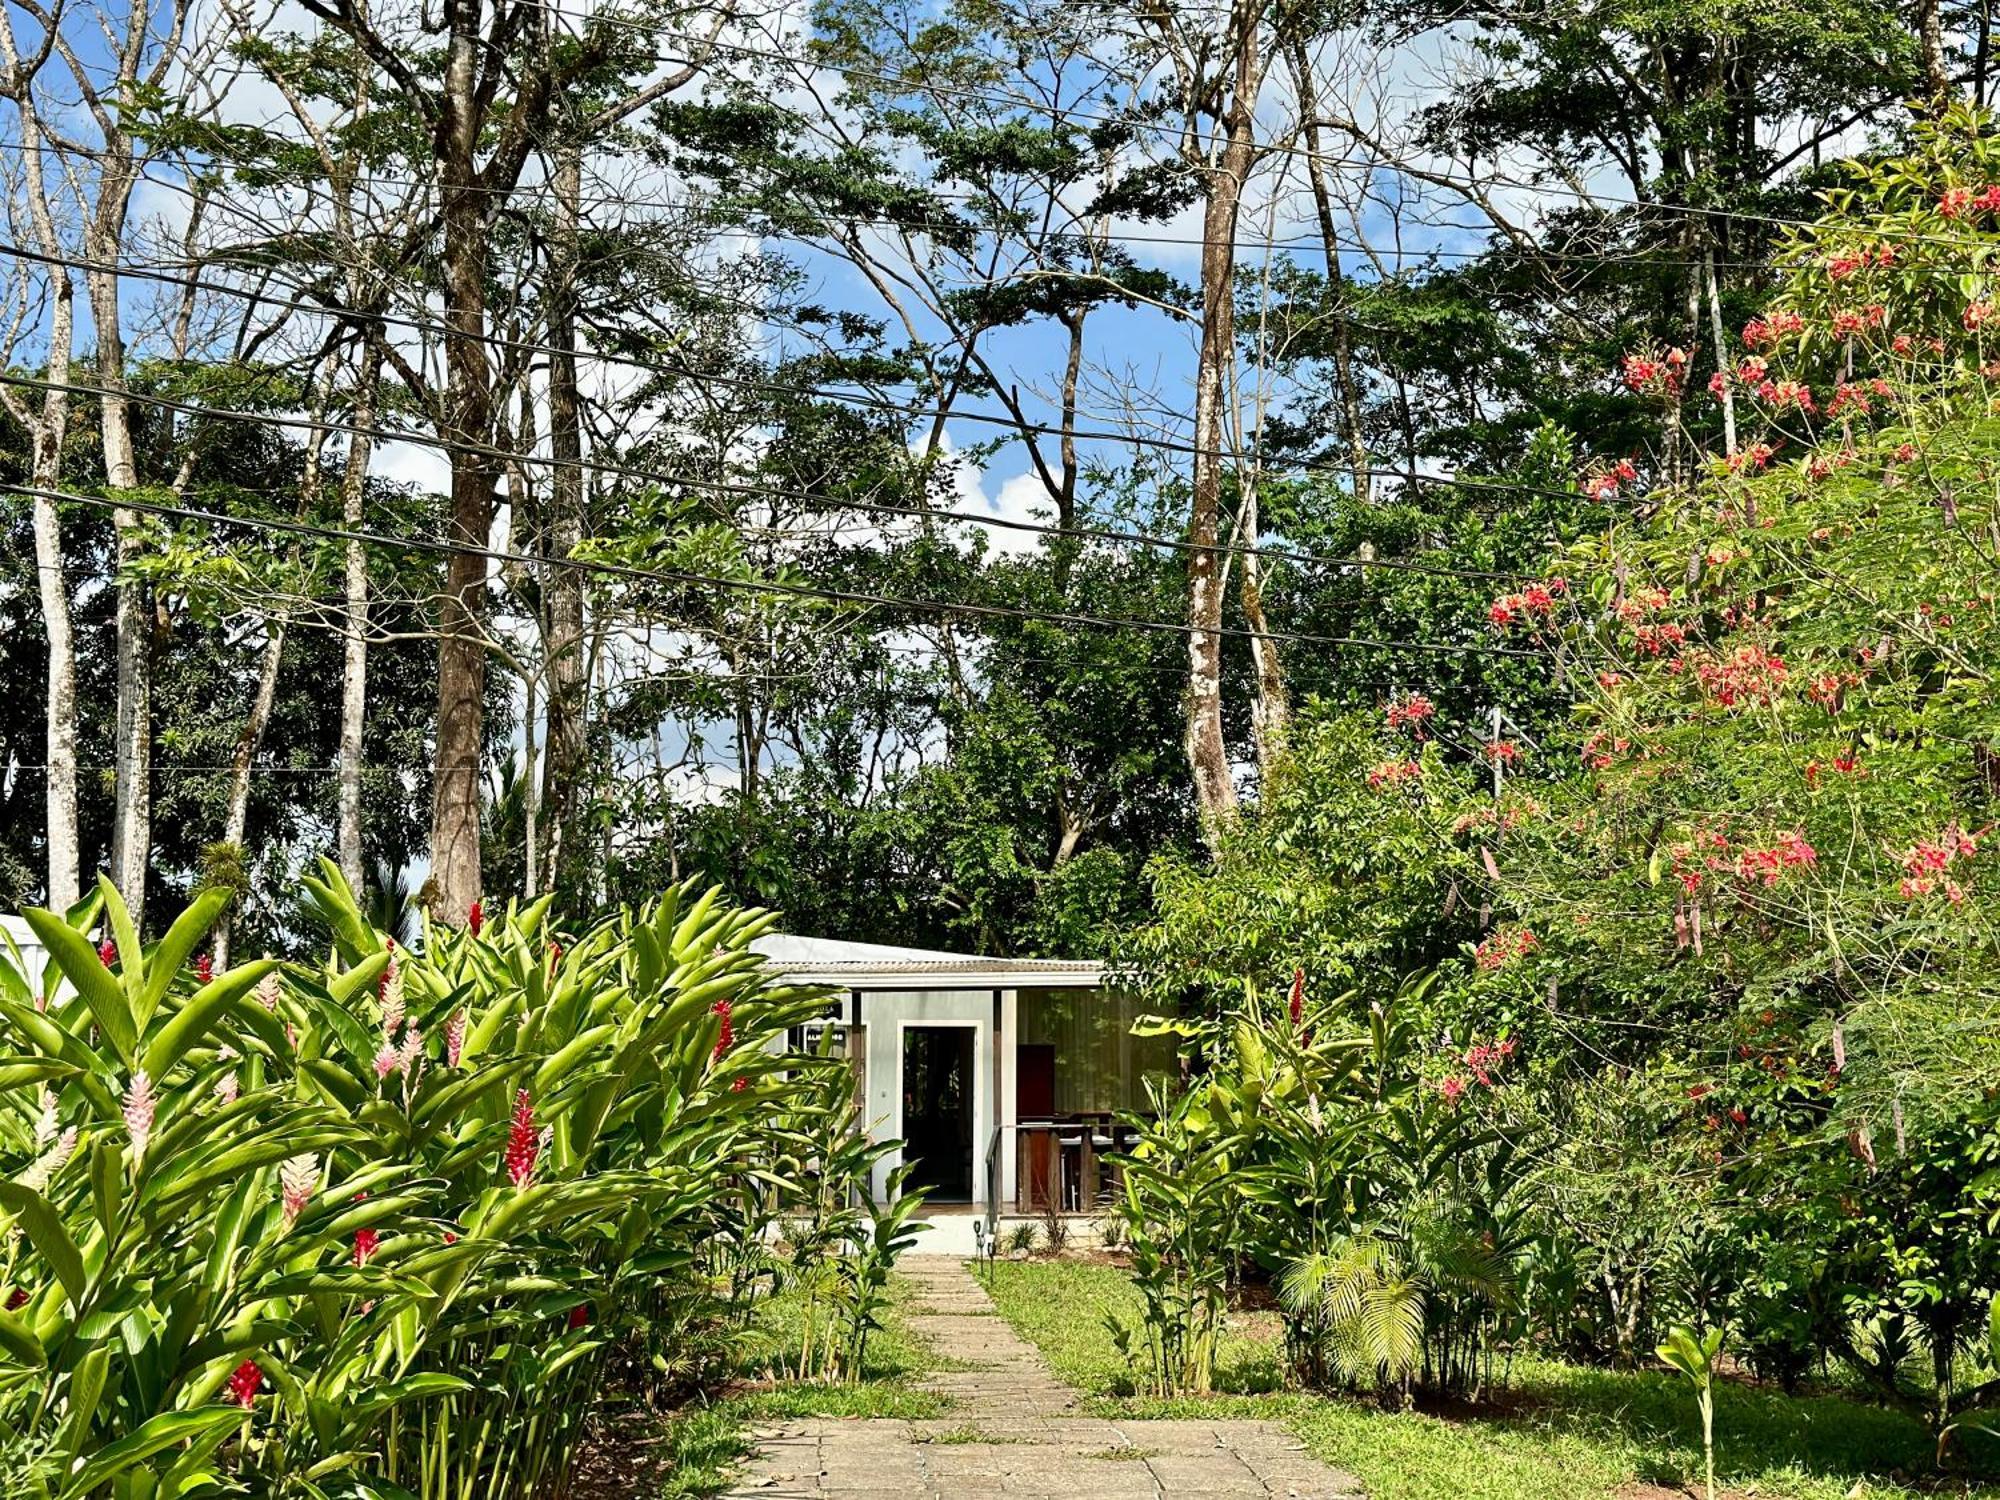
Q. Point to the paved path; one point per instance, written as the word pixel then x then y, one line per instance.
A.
pixel 1016 1430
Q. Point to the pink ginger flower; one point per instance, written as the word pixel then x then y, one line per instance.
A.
pixel 227 1088
pixel 41 1172
pixel 523 1143
pixel 140 1108
pixel 390 992
pixel 244 1384
pixel 296 1180
pixel 412 1050
pixel 268 992
pixel 387 1059
pixel 454 1038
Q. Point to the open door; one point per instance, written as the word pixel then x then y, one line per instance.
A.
pixel 938 1084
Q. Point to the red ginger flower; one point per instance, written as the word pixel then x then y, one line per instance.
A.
pixel 204 968
pixel 1298 1000
pixel 523 1143
pixel 726 1038
pixel 17 1299
pixel 243 1385
pixel 107 953
pixel 475 918
pixel 366 1243
pixel 579 1315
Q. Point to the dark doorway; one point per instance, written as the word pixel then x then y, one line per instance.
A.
pixel 937 1110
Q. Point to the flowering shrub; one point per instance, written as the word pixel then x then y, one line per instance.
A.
pixel 449 1186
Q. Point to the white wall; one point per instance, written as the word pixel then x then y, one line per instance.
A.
pixel 884 1018
pixel 32 953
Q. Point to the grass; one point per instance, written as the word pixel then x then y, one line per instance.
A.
pixel 1561 1432
pixel 702 1444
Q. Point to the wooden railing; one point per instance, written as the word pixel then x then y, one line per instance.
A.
pixel 1061 1163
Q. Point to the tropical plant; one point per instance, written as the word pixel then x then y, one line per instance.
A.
pixel 1694 1355
pixel 381 1225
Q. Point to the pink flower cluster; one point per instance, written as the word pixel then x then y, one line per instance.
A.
pixel 1502 948
pixel 1603 486
pixel 1393 773
pixel 1748 675
pixel 1411 711
pixel 1537 600
pixel 1762 333
pixel 1926 866
pixel 1959 201
pixel 1767 866
pixel 1662 376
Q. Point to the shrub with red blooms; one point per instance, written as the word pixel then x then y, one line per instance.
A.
pixel 523 1142
pixel 1393 773
pixel 244 1384
pixel 1411 711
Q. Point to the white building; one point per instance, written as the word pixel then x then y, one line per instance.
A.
pixel 1000 1073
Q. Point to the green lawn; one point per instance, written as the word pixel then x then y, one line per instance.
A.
pixel 1559 1433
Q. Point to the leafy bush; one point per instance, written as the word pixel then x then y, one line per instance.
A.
pixel 383 1225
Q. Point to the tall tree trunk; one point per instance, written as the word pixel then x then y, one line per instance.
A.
pixel 131 830
pixel 237 822
pixel 48 429
pixel 468 424
pixel 1930 41
pixel 1207 749
pixel 1346 386
pixel 1270 712
pixel 563 649
pixel 354 653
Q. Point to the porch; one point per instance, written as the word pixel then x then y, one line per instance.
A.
pixel 1003 1078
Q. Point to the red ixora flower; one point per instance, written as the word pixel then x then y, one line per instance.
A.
pixel 475 918
pixel 1411 710
pixel 523 1143
pixel 1393 773
pixel 244 1384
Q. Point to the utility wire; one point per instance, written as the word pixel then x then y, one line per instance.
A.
pixel 504 456
pixel 630 572
pixel 878 403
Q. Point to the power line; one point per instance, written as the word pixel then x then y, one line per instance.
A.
pixel 766 229
pixel 878 403
pixel 768 586
pixel 661 477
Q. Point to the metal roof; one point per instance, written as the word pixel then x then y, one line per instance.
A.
pixel 869 966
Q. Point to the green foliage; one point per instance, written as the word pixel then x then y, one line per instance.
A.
pixel 384 1225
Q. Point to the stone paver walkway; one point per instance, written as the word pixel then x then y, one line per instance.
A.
pixel 1016 1430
